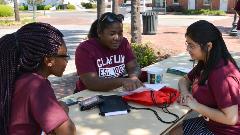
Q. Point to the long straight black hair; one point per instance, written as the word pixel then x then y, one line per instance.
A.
pixel 203 32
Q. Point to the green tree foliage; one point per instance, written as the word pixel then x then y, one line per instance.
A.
pixel 6 10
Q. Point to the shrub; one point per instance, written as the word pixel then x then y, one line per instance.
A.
pixel 60 7
pixel 40 7
pixel 204 12
pixel 47 7
pixel 145 55
pixel 89 5
pixel 70 6
pixel 23 7
pixel 6 11
pixel 94 5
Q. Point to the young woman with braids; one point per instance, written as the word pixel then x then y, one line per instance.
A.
pixel 104 59
pixel 28 105
pixel 215 80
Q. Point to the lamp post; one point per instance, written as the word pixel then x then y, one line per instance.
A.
pixel 234 31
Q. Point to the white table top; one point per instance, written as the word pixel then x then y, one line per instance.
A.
pixel 137 122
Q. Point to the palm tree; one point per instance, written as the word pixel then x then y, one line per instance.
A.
pixel 100 7
pixel 16 10
pixel 115 6
pixel 135 22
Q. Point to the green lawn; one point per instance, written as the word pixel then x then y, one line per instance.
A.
pixel 25 17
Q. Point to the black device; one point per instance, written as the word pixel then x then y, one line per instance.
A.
pixel 113 105
pixel 90 103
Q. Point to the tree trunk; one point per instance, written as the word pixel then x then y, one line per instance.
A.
pixel 16 11
pixel 135 22
pixel 100 7
pixel 115 6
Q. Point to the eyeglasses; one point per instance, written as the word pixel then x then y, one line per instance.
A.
pixel 67 56
pixel 112 18
pixel 191 46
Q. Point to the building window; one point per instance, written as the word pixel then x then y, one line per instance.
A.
pixel 160 3
pixel 175 1
pixel 206 2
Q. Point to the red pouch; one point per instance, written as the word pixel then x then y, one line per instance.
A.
pixel 164 96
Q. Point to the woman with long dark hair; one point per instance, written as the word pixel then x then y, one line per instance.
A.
pixel 214 84
pixel 28 105
pixel 105 59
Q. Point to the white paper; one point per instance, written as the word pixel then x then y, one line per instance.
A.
pixel 182 69
pixel 155 86
pixel 147 87
pixel 116 113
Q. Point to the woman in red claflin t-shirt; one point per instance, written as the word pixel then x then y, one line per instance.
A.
pixel 105 61
pixel 214 83
pixel 28 104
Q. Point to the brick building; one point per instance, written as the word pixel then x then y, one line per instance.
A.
pixel 225 5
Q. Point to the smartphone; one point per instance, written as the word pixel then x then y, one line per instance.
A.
pixel 90 103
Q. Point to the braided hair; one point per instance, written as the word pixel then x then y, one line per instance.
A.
pixel 20 52
pixel 203 32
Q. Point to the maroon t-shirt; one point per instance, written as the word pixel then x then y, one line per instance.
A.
pixel 237 8
pixel 221 90
pixel 93 57
pixel 34 107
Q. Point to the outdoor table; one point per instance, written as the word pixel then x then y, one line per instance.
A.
pixel 137 122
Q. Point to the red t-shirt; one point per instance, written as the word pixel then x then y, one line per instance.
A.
pixel 93 57
pixel 221 90
pixel 237 8
pixel 34 107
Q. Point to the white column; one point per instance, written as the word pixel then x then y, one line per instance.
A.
pixel 223 5
pixel 144 5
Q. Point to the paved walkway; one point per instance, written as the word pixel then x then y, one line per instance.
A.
pixel 168 40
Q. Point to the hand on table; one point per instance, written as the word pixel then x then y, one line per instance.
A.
pixel 183 98
pixel 192 102
pixel 188 100
pixel 131 83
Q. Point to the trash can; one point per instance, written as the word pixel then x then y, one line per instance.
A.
pixel 150 22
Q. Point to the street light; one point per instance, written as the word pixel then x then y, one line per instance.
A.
pixel 234 31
